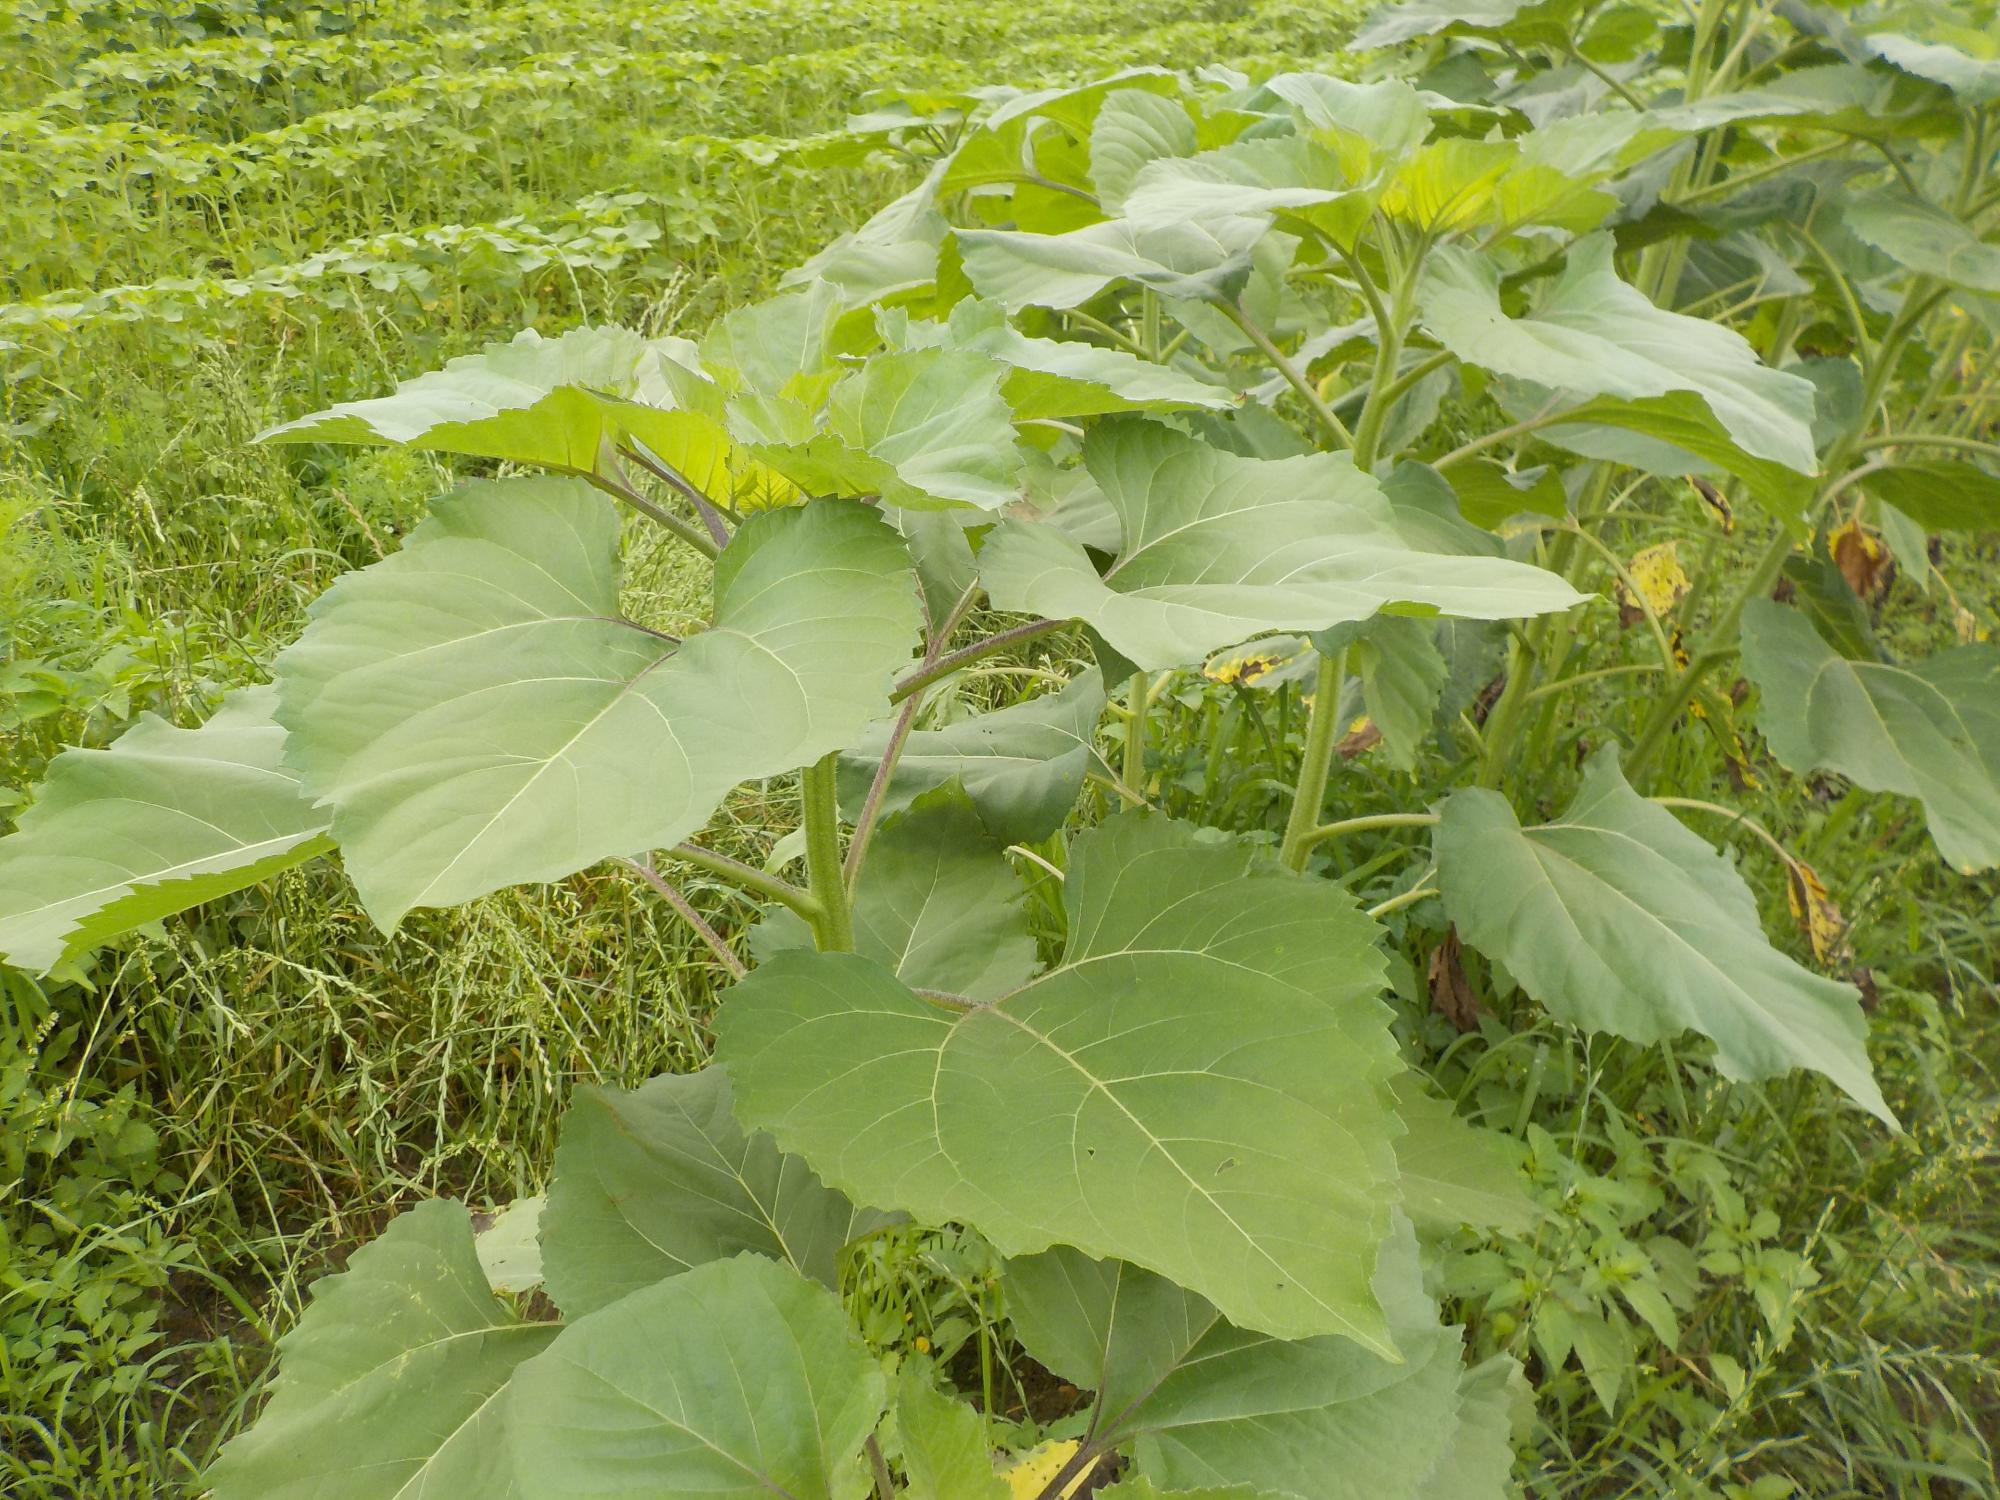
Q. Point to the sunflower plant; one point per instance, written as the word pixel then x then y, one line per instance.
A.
pixel 1562 349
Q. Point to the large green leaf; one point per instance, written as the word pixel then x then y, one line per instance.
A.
pixel 738 1380
pixel 659 1179
pixel 1919 236
pixel 1964 59
pixel 1133 127
pixel 1132 1486
pixel 946 1453
pixel 1415 18
pixel 1929 730
pixel 1391 116
pixel 1454 1172
pixel 163 820
pixel 770 345
pixel 1402 676
pixel 1219 548
pixel 1940 495
pixel 1206 1404
pixel 896 250
pixel 1200 1086
pixel 478 715
pixel 393 1383
pixel 922 427
pixel 554 403
pixel 1593 335
pixel 939 907
pixel 1686 439
pixel 1066 378
pixel 1238 188
pixel 1023 766
pixel 1198 262
pixel 1619 919
pixel 999 146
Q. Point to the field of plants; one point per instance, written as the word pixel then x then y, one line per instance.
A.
pixel 840 748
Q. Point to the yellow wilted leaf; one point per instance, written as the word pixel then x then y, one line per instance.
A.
pixel 1658 575
pixel 1240 666
pixel 1251 665
pixel 1862 558
pixel 1035 1469
pixel 1814 910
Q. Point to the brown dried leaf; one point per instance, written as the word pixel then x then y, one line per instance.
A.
pixel 1361 737
pixel 1451 991
pixel 1863 559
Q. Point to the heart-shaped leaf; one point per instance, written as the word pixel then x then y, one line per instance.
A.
pixel 1939 495
pixel 1922 237
pixel 477 713
pixel 940 907
pixel 393 1383
pixel 1930 730
pixel 922 427
pixel 1617 918
pixel 738 1380
pixel 1200 1086
pixel 163 820
pixel 1066 378
pixel 1133 127
pixel 1198 262
pixel 558 404
pixel 945 1449
pixel 1592 335
pixel 1023 766
pixel 1218 548
pixel 659 1179
pixel 1204 1403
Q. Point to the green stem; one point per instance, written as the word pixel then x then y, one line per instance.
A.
pixel 694 536
pixel 1322 734
pixel 1546 417
pixel 1363 824
pixel 1133 772
pixel 749 878
pixel 1928 440
pixel 1549 689
pixel 1382 390
pixel 1293 376
pixel 1397 903
pixel 833 927
pixel 944 666
pixel 1506 715
pixel 1718 647
pixel 1733 814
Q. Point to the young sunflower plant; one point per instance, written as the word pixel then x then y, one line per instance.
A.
pixel 1407 384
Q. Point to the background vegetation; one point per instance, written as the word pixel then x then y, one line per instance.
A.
pixel 216 217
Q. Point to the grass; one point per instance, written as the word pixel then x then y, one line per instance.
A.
pixel 211 1116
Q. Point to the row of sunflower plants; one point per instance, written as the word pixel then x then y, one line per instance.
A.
pixel 1410 384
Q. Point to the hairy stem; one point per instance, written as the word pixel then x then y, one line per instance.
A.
pixel 1132 772
pixel 944 666
pixel 833 928
pixel 748 878
pixel 885 1487
pixel 1363 824
pixel 871 809
pixel 725 955
pixel 1322 734
pixel 607 478
pixel 1294 377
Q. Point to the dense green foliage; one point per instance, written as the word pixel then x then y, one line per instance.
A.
pixel 1218 545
